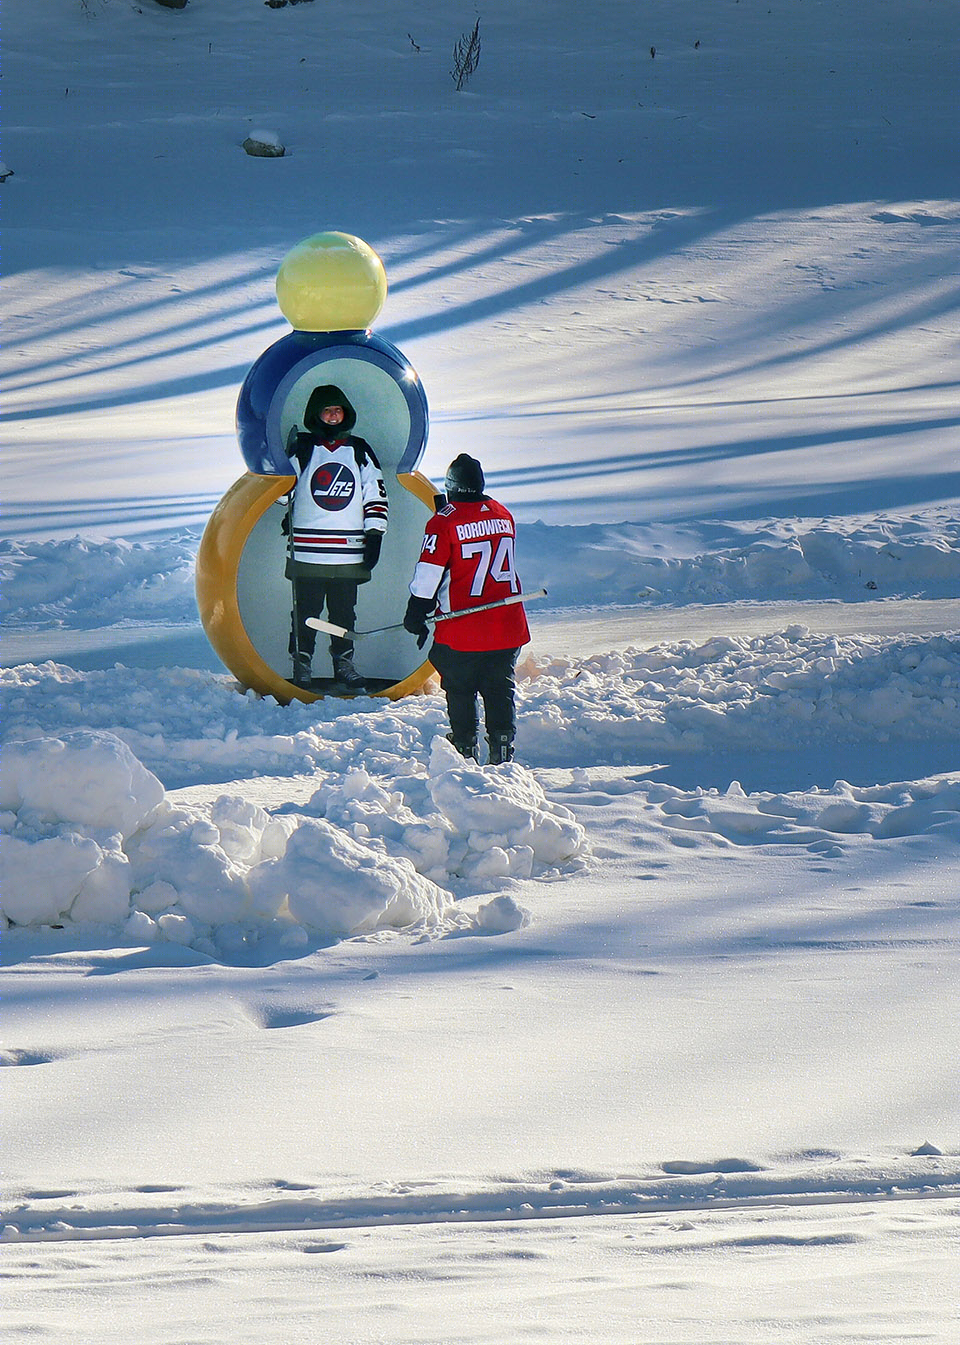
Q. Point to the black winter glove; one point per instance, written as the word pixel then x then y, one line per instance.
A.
pixel 415 618
pixel 285 525
pixel 372 542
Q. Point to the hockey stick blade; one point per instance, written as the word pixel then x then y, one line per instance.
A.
pixel 317 624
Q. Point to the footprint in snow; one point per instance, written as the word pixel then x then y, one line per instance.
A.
pixel 14 1056
pixel 272 1016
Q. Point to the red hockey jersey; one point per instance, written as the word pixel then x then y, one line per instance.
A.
pixel 467 559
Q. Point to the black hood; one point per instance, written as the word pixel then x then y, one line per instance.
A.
pixel 328 396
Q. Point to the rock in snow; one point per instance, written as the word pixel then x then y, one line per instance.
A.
pixel 264 145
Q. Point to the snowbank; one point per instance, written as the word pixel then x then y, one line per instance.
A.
pixel 885 555
pixel 399 826
pixel 746 692
pixel 92 836
pixel 85 583
pixel 96 583
pixel 753 693
pixel 818 819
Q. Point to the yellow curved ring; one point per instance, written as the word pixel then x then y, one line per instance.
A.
pixel 218 563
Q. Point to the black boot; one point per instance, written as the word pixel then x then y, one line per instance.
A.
pixel 466 747
pixel 302 675
pixel 501 748
pixel 346 674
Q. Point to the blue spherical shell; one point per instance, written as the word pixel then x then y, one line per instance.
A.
pixel 274 387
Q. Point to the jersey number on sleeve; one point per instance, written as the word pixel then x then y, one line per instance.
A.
pixel 499 564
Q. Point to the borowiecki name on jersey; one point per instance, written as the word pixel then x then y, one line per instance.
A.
pixel 483 527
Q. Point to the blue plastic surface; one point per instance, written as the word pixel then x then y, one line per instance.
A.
pixel 263 404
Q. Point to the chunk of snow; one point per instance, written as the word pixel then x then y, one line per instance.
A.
pixel 503 808
pixel 337 886
pixel 104 896
pixel 42 878
pixel 502 915
pixel 139 928
pixel 241 825
pixel 157 896
pixel 91 778
pixel 177 928
pixel 927 1150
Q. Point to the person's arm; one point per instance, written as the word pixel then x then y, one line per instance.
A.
pixel 427 578
pixel 376 506
pixel 299 450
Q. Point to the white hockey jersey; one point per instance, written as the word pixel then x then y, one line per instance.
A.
pixel 339 496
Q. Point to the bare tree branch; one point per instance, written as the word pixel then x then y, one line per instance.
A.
pixel 466 56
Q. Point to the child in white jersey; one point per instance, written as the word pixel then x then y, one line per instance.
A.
pixel 337 521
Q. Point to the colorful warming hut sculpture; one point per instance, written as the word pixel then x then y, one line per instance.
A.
pixel 330 288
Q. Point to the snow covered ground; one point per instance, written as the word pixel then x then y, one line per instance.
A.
pixel 314 1031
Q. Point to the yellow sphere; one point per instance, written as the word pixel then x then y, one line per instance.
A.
pixel 331 282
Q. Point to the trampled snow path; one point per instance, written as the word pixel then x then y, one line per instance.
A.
pixel 679 1186
pixel 879 1271
pixel 153 645
pixel 608 628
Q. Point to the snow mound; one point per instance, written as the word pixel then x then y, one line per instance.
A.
pixel 68 805
pixel 85 777
pixel 181 853
pixel 503 810
pixel 456 820
pixel 92 836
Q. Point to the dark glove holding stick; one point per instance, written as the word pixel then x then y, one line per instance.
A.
pixel 415 618
pixel 372 542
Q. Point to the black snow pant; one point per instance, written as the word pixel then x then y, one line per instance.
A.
pixel 466 674
pixel 339 596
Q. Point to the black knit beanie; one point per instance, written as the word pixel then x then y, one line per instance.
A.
pixel 464 479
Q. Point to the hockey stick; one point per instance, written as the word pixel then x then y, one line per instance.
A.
pixel 294 595
pixel 345 634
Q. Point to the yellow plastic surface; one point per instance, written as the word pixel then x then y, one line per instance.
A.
pixel 218 562
pixel 331 282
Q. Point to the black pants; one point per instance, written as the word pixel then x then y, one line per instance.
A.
pixel 339 596
pixel 487 673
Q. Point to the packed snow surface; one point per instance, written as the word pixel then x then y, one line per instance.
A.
pixel 314 1031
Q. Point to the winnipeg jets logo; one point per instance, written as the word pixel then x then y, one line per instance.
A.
pixel 332 487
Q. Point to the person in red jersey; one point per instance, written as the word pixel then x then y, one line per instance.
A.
pixel 467 559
